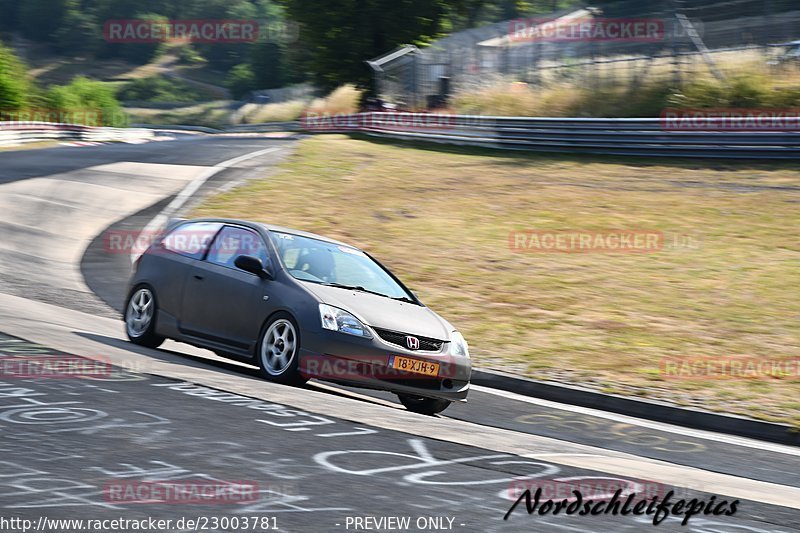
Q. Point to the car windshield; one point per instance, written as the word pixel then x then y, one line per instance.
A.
pixel 332 264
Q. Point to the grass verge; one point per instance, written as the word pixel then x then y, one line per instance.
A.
pixel 209 114
pixel 440 218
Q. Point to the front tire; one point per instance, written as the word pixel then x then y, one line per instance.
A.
pixel 279 349
pixel 140 318
pixel 423 406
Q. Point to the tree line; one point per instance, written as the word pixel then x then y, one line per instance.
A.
pixel 327 42
pixel 332 40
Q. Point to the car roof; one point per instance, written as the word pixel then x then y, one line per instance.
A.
pixel 270 228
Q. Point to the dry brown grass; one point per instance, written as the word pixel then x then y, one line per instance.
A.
pixel 343 100
pixel 517 100
pixel 608 90
pixel 441 221
pixel 282 112
pixel 210 114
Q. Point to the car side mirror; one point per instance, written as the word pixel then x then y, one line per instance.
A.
pixel 251 264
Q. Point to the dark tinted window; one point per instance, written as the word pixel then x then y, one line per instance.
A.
pixel 191 239
pixel 234 241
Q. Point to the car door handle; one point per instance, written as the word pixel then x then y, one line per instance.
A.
pixel 198 276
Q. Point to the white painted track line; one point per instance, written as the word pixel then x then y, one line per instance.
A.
pixel 160 220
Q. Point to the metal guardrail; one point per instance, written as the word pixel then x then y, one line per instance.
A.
pixel 179 128
pixel 606 136
pixel 19 133
pixel 264 127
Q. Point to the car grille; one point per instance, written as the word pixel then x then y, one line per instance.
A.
pixel 426 344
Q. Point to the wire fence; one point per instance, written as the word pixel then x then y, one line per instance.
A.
pixel 721 37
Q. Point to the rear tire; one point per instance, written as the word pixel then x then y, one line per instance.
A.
pixel 278 350
pixel 423 406
pixel 141 311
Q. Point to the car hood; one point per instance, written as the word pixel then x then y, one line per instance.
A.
pixel 385 313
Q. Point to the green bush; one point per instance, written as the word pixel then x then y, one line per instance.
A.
pixel 240 80
pixel 15 86
pixel 739 91
pixel 786 97
pixel 82 95
pixel 160 89
pixel 748 91
pixel 187 55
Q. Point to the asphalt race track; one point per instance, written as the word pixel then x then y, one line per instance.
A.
pixel 319 458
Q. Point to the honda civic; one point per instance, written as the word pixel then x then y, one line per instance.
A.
pixel 298 305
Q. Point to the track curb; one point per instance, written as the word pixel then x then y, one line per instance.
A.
pixel 646 409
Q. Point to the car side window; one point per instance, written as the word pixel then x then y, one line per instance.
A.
pixel 192 239
pixel 234 241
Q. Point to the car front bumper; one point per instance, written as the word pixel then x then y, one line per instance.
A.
pixel 347 359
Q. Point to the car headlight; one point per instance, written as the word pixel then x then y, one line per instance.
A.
pixel 458 345
pixel 336 319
